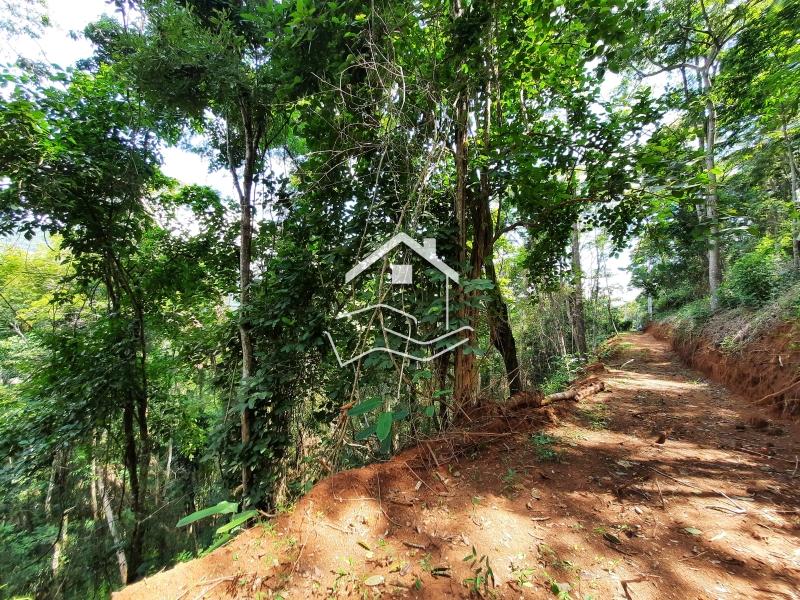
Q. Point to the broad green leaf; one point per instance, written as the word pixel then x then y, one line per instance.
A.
pixel 363 434
pixel 236 521
pixel 364 407
pixel 223 508
pixel 399 415
pixel 220 542
pixel 383 426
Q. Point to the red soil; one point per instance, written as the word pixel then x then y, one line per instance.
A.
pixel 765 371
pixel 714 512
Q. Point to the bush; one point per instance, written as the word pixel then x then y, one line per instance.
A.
pixel 668 300
pixel 563 370
pixel 691 317
pixel 751 281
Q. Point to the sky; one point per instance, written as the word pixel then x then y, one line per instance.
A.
pixel 62 43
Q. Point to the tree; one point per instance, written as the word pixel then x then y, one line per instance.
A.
pixel 213 63
pixel 759 82
pixel 692 39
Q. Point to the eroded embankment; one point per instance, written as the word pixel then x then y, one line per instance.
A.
pixel 765 369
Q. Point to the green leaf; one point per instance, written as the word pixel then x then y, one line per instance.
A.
pixel 364 407
pixel 223 508
pixel 236 521
pixel 384 425
pixel 221 541
pixel 430 410
pixel 399 415
pixel 363 434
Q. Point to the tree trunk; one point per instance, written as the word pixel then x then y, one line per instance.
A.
pixel 714 269
pixel 191 505
pixel 558 319
pixel 465 372
pixel 168 470
pixel 54 504
pixel 793 183
pixel 60 544
pixel 140 479
pixel 501 333
pixel 51 484
pixel 93 493
pixel 111 521
pixel 576 306
pixel 132 462
pixel 700 135
pixel 245 192
pixel 135 406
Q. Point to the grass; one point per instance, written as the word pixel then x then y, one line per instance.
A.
pixel 610 348
pixel 596 415
pixel 544 447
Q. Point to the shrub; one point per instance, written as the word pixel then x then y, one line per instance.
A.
pixel 563 370
pixel 752 280
pixel 691 317
pixel 670 299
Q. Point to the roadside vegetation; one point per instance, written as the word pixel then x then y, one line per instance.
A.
pixel 165 379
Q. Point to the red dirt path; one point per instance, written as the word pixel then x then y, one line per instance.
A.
pixel 712 513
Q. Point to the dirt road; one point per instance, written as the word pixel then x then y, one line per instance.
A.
pixel 578 500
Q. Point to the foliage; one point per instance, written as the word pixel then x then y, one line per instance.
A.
pixel 562 372
pixel 135 388
pixel 224 533
pixel 543 445
pixel 752 280
pixel 482 579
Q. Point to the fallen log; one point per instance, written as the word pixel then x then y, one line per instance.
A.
pixel 576 394
pixel 580 391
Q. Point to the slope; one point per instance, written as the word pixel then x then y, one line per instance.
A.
pixel 575 499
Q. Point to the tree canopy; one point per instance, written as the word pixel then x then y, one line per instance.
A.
pixel 165 348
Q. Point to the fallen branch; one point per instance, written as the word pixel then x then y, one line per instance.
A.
pixel 779 392
pixel 211 585
pixel 574 394
pixel 762 455
pixel 577 393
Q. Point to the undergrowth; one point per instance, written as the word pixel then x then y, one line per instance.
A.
pixel 733 328
pixel 563 370
pixel 544 446
pixel 596 415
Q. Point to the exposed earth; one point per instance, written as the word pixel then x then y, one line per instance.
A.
pixel 577 499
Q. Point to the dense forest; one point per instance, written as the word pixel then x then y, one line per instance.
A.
pixel 163 345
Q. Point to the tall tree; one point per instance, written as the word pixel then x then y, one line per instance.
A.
pixel 577 315
pixel 79 163
pixel 214 63
pixel 691 38
pixel 759 81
